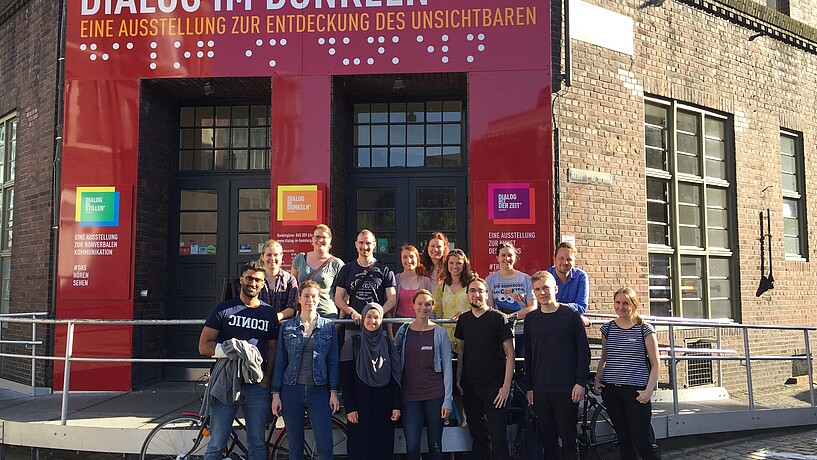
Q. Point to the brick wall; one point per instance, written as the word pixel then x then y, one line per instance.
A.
pixel 28 66
pixel 157 135
pixel 688 55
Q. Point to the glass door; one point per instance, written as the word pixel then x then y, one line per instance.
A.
pixel 402 210
pixel 217 226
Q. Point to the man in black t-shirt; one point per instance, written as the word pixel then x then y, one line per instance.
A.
pixel 365 280
pixel 247 318
pixel 484 372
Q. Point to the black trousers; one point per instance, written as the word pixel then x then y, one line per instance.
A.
pixel 486 423
pixel 632 422
pixel 557 416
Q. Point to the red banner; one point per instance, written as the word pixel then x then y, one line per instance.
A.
pixel 180 38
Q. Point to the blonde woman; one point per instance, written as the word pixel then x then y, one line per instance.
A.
pixel 627 375
pixel 320 266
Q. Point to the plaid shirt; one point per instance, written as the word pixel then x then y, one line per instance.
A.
pixel 281 291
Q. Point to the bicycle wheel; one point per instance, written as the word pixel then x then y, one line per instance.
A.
pixel 178 438
pixel 280 448
pixel 601 428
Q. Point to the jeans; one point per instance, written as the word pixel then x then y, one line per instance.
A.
pixel 255 404
pixel 632 422
pixel 414 414
pixel 486 423
pixel 314 400
pixel 557 416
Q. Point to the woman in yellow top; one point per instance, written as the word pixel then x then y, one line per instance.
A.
pixel 450 297
pixel 451 300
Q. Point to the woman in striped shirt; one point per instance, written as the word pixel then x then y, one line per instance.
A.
pixel 627 376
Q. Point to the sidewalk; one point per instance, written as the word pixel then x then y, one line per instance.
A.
pixel 119 422
pixel 791 443
pixel 98 421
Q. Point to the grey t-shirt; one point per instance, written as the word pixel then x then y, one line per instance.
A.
pixel 325 279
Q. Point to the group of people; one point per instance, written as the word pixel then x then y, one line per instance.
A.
pixel 299 363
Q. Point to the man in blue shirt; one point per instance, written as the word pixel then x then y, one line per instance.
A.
pixel 572 283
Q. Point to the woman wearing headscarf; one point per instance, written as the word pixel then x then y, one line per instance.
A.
pixel 370 377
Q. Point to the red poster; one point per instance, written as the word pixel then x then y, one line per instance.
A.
pixel 95 242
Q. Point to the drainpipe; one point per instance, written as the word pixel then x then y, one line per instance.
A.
pixel 56 171
pixel 567 78
pixel 568 75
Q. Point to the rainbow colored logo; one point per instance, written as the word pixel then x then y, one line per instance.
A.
pixel 97 207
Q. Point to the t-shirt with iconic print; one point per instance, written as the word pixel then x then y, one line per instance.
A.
pixel 235 320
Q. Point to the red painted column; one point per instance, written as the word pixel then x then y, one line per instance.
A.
pixel 301 138
pixel 96 247
pixel 511 167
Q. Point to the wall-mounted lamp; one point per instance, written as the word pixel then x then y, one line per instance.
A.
pixel 209 88
pixel 399 84
pixel 757 35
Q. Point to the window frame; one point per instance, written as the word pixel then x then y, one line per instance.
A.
pixel 799 195
pixel 358 168
pixel 9 123
pixel 182 150
pixel 705 184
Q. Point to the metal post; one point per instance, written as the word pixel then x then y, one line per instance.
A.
pixel 673 376
pixel 748 367
pixel 809 364
pixel 719 345
pixel 33 354
pixel 66 378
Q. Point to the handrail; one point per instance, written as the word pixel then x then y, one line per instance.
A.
pixel 36 313
pixel 670 353
pixel 31 343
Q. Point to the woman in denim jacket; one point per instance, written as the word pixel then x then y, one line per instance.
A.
pixel 428 380
pixel 306 375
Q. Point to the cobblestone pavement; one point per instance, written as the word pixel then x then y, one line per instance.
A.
pixel 782 444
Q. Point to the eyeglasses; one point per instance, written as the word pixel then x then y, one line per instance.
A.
pixel 477 291
pixel 251 279
pixel 458 252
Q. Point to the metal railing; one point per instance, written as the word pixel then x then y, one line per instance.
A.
pixel 669 353
pixel 30 344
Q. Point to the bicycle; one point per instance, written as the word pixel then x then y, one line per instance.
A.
pixel 595 428
pixel 185 437
pixel 595 431
pixel 520 422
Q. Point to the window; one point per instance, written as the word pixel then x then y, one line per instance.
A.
pixel 7 5
pixel 224 138
pixel 689 198
pixel 8 154
pixel 414 134
pixel 794 206
pixel 779 5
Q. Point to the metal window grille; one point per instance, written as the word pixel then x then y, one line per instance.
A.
pixel 699 371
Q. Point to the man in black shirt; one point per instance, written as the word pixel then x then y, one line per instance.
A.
pixel 364 280
pixel 484 372
pixel 557 363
